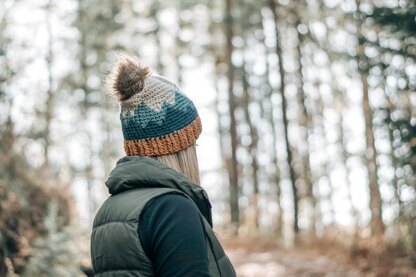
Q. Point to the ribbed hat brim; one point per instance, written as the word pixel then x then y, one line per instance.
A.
pixel 165 145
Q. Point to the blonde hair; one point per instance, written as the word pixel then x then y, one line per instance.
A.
pixel 185 162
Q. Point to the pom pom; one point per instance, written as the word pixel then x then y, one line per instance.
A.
pixel 127 77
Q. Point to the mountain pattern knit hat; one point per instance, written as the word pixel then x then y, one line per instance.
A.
pixel 156 117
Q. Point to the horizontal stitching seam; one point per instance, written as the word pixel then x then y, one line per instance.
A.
pixel 114 221
pixel 110 270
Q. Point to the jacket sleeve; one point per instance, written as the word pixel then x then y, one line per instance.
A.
pixel 172 236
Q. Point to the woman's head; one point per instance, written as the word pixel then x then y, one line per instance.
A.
pixel 157 119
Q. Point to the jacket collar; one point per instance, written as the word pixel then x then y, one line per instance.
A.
pixel 132 172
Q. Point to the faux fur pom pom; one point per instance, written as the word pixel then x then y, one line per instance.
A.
pixel 127 77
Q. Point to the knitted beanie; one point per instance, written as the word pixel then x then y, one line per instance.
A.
pixel 156 117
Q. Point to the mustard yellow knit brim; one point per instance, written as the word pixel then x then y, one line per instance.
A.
pixel 165 145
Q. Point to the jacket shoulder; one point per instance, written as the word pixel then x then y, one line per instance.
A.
pixel 126 206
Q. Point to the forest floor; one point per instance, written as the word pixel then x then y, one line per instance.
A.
pixel 262 259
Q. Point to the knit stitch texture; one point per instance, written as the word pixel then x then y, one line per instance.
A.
pixel 158 120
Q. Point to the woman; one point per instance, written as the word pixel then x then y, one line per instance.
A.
pixel 157 221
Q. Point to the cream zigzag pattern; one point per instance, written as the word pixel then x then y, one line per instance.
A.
pixel 157 91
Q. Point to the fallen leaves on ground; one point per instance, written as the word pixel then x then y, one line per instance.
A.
pixel 261 259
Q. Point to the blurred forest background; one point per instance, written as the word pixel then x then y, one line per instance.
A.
pixel 308 108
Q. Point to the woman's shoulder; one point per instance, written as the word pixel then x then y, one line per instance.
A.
pixel 165 203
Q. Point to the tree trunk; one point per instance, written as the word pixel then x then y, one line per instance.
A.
pixel 84 105
pixel 377 226
pixel 232 164
pixel 222 132
pixel 305 123
pixel 178 49
pixel 289 153
pixel 252 147
pixel 49 94
pixel 268 108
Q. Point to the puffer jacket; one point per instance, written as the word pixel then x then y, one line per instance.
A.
pixel 116 249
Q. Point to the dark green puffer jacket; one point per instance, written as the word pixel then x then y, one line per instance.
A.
pixel 116 249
